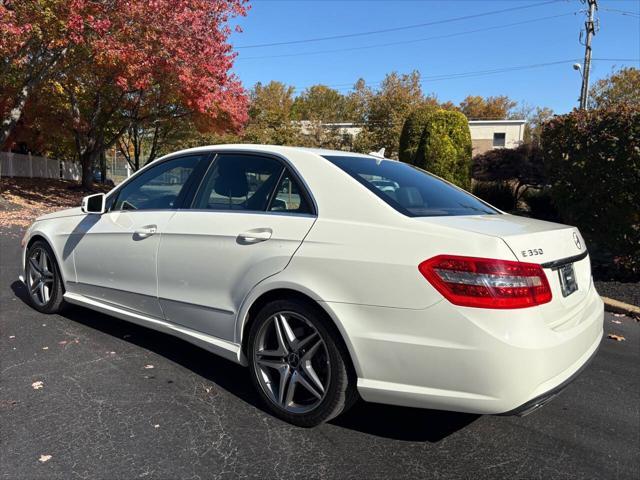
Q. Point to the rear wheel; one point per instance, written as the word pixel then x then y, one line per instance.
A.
pixel 42 276
pixel 297 365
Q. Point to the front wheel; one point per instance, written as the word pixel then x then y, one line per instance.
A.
pixel 297 365
pixel 43 280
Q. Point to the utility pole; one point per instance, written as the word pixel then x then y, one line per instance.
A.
pixel 590 29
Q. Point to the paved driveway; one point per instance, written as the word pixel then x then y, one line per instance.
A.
pixel 121 401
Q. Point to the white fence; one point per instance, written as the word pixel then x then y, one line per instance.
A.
pixel 19 165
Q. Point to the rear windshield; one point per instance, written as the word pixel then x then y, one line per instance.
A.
pixel 410 190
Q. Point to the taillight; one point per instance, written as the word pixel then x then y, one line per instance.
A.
pixel 486 282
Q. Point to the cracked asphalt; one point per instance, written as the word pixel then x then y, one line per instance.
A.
pixel 118 401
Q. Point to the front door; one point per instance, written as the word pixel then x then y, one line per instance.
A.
pixel 246 222
pixel 116 255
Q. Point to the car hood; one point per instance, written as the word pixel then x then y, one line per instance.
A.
pixel 69 212
pixel 530 240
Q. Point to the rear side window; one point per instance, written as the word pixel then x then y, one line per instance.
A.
pixel 289 197
pixel 410 190
pixel 239 182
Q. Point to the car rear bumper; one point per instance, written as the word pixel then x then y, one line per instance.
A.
pixel 465 359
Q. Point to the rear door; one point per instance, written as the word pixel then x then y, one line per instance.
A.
pixel 246 221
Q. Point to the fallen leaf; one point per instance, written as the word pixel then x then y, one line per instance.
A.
pixel 44 458
pixel 617 338
pixel 37 385
pixel 148 366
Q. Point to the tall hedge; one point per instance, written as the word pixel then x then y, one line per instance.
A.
pixel 592 159
pixel 438 141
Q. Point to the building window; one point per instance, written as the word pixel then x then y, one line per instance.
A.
pixel 499 139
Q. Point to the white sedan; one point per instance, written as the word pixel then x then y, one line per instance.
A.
pixel 330 275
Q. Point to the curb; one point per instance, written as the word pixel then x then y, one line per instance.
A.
pixel 611 305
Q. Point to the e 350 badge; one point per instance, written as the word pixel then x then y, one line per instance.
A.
pixel 532 252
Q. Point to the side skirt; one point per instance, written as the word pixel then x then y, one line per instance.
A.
pixel 228 350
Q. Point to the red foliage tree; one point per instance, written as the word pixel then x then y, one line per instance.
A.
pixel 122 55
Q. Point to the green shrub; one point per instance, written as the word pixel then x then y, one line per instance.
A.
pixel 498 194
pixel 592 160
pixel 438 141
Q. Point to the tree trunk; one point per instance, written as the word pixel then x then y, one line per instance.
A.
pixel 9 123
pixel 103 167
pixel 88 160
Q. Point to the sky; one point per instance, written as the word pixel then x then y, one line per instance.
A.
pixel 438 43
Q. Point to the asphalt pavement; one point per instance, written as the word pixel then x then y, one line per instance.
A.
pixel 84 395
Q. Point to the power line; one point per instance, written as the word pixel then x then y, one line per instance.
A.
pixel 623 12
pixel 396 29
pixel 453 76
pixel 404 42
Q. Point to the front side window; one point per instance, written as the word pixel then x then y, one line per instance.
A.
pixel 289 197
pixel 159 187
pixel 239 182
pixel 410 190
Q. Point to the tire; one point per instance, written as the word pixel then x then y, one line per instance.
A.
pixel 43 280
pixel 293 351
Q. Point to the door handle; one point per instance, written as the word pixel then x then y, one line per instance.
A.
pixel 256 235
pixel 146 231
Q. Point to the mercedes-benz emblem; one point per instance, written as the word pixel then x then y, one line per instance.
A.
pixel 576 240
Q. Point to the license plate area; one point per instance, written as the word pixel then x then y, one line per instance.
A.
pixel 568 282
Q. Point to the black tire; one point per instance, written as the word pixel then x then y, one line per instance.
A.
pixel 340 393
pixel 55 302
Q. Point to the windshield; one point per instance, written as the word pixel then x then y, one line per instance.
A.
pixel 410 190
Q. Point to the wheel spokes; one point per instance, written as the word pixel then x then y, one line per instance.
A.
pixel 290 358
pixel 35 265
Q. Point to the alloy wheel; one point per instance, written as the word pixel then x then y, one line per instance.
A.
pixel 40 277
pixel 291 362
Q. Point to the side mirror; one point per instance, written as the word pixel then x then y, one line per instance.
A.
pixel 94 204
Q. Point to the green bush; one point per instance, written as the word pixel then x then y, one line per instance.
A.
pixel 592 160
pixel 438 141
pixel 498 194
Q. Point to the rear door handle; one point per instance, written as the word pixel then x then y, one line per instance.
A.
pixel 146 231
pixel 255 235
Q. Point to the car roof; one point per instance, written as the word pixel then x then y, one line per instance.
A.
pixel 278 149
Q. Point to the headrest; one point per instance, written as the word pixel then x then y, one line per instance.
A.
pixel 231 181
pixel 409 197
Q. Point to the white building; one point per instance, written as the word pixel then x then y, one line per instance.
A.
pixel 489 134
pixel 485 134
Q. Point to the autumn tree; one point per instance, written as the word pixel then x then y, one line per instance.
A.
pixel 123 52
pixel 619 88
pixel 35 35
pixel 490 108
pixel 270 115
pixel 383 111
pixel 321 103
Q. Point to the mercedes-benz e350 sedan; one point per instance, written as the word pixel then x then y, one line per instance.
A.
pixel 330 275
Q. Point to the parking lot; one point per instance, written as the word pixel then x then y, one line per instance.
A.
pixel 85 395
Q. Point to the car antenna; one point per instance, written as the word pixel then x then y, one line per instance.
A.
pixel 379 154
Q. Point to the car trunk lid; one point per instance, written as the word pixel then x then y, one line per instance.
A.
pixel 560 249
